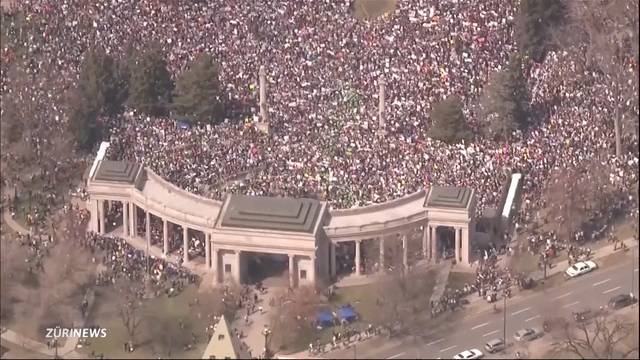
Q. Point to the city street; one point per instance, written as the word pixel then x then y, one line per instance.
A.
pixel 588 291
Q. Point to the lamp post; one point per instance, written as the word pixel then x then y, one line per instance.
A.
pixel 266 332
pixel 504 320
pixel 633 271
pixel 55 348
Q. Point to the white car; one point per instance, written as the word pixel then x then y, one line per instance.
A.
pixel 581 268
pixel 469 354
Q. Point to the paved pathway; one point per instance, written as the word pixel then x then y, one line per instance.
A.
pixel 257 321
pixel 444 268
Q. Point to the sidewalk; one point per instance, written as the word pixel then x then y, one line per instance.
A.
pixel 443 268
pixel 601 250
pixel 254 339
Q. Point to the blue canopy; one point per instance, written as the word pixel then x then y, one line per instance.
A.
pixel 324 318
pixel 347 313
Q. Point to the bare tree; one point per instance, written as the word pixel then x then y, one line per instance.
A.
pixel 602 338
pixel 293 321
pixel 130 310
pixel 609 29
pixel 577 195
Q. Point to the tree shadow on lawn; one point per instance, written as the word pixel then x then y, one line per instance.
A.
pixel 159 316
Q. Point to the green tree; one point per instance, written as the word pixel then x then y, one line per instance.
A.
pixel 150 83
pixel 101 90
pixel 505 100
pixel 100 83
pixel 534 24
pixel 198 92
pixel 83 123
pixel 448 122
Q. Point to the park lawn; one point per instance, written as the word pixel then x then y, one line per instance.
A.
pixel 362 298
pixel 106 315
pixel 371 9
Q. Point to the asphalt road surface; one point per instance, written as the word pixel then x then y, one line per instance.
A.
pixel 591 290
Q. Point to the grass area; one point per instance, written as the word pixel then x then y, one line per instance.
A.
pixel 372 9
pixel 362 298
pixel 159 332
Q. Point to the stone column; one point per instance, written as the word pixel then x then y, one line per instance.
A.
pixel 103 229
pixel 425 241
pixel 311 277
pixel 433 234
pixel 216 268
pixel 457 232
pixel 332 256
pixel 185 243
pixel 381 122
pixel 381 242
pixel 93 208
pixel 238 271
pixel 125 219
pixel 405 260
pixel 109 205
pixel 466 248
pixel 291 270
pixel 263 95
pixel 357 257
pixel 207 250
pixel 165 237
pixel 147 227
pixel 133 219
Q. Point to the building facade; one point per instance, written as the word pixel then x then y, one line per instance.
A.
pixel 305 230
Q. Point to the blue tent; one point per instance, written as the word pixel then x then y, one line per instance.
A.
pixel 324 318
pixel 347 313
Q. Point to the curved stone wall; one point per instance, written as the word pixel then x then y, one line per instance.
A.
pixel 198 212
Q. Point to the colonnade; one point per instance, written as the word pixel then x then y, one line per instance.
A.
pixel 223 262
pixel 429 246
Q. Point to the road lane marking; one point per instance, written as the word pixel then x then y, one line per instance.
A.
pixel 520 311
pixel 601 282
pixel 396 355
pixel 490 333
pixel 562 296
pixel 435 342
pixel 610 290
pixel 573 303
pixel 479 326
pixel 448 348
pixel 532 318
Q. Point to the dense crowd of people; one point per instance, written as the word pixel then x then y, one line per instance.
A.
pixel 319 146
pixel 324 67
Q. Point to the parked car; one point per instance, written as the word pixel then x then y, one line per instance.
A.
pixel 494 345
pixel 527 334
pixel 621 300
pixel 469 354
pixel 581 268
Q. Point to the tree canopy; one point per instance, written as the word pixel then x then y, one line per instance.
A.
pixel 505 100
pixel 448 122
pixel 101 90
pixel 150 83
pixel 198 94
pixel 535 22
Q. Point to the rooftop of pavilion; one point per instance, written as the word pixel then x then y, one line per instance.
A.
pixel 271 213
